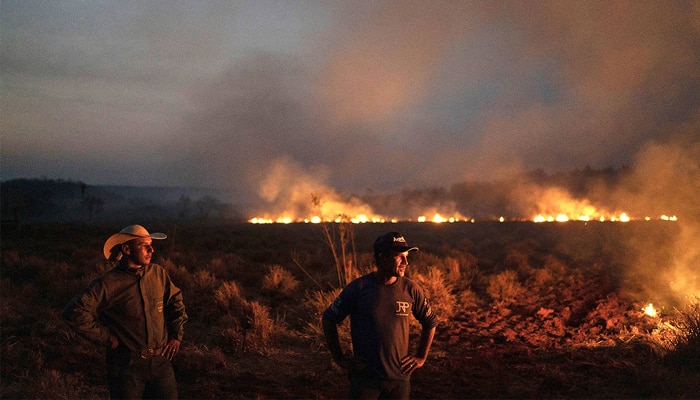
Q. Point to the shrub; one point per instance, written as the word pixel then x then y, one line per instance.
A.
pixel 229 266
pixel 228 295
pixel 439 291
pixel 193 360
pixel 469 269
pixel 279 280
pixel 454 274
pixel 204 281
pixel 542 278
pixel 54 384
pixel 316 302
pixel 517 259
pixel 504 287
pixel 262 326
pixel 247 325
pixel 467 298
pixel 198 298
pixel 179 275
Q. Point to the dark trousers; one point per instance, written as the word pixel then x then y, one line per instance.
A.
pixel 152 377
pixel 371 387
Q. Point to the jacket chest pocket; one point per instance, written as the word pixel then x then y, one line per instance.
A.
pixel 158 305
pixel 154 298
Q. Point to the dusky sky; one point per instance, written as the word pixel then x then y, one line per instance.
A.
pixel 351 95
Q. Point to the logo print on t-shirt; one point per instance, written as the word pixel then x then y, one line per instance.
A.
pixel 402 307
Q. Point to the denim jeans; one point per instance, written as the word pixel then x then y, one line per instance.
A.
pixel 153 377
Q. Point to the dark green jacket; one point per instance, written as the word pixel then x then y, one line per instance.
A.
pixel 141 307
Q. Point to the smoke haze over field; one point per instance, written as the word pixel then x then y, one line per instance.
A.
pixel 378 95
pixel 272 101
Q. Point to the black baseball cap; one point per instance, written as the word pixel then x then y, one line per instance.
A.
pixel 392 241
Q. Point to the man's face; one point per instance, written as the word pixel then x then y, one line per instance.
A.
pixel 138 252
pixel 393 263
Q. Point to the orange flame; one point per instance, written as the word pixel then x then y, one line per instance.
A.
pixel 650 310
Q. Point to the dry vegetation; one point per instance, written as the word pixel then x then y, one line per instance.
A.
pixel 526 311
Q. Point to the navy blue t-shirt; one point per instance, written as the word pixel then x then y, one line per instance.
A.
pixel 379 320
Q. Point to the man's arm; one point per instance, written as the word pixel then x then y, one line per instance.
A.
pixel 175 318
pixel 80 314
pixel 426 340
pixel 330 331
pixel 410 363
pixel 175 314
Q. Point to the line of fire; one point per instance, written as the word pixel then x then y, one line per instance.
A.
pixel 544 205
pixel 438 218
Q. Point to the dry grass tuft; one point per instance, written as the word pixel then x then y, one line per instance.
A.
pixel 504 287
pixel 686 339
pixel 521 307
pixel 440 293
pixel 315 303
pixel 247 324
pixel 280 281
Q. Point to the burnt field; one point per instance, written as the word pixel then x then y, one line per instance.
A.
pixel 526 310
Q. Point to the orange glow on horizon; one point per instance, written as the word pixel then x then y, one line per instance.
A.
pixel 437 218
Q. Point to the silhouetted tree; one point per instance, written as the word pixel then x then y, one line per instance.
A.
pixel 94 205
pixel 184 206
pixel 206 205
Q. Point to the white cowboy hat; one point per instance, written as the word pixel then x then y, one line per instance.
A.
pixel 126 234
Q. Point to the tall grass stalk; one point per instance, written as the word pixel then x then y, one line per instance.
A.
pixel 338 236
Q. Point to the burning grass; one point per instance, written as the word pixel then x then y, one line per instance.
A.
pixel 526 311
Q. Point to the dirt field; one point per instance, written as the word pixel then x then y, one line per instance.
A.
pixel 527 310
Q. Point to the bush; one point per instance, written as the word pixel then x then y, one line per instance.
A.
pixel 439 291
pixel 279 280
pixel 467 299
pixel 246 325
pixel 504 287
pixel 262 326
pixel 316 302
pixel 198 299
pixel 178 274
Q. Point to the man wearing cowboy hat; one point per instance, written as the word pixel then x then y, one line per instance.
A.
pixel 136 312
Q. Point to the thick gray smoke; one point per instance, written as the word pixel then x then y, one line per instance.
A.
pixel 394 97
pixel 667 177
pixel 356 101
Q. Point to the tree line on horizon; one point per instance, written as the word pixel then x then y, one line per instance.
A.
pixel 58 200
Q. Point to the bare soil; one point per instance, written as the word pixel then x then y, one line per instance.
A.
pixel 572 326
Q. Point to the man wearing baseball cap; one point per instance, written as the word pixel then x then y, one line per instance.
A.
pixel 379 305
pixel 136 313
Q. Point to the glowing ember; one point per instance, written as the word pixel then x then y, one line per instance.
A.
pixel 650 310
